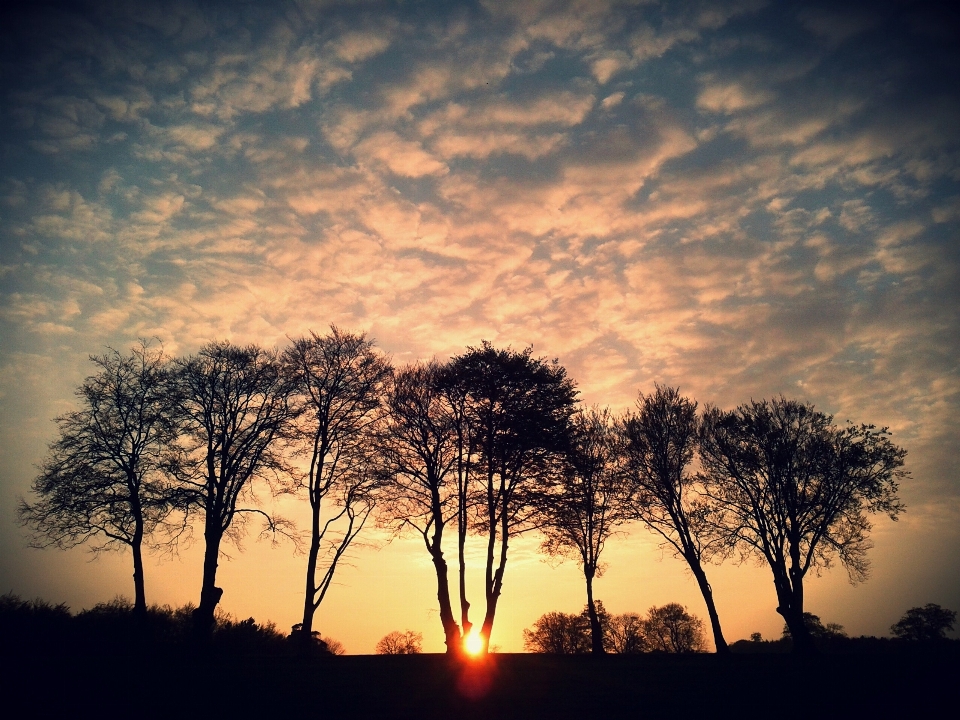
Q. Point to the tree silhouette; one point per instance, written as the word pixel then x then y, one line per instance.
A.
pixel 420 448
pixel 582 506
pixel 927 623
pixel 659 444
pixel 233 406
pixel 796 490
pixel 558 633
pixel 102 481
pixel 400 643
pixel 624 634
pixel 338 381
pixel 672 629
pixel 518 410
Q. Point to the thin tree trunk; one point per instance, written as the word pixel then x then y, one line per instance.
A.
pixel 707 592
pixel 310 588
pixel 596 632
pixel 495 584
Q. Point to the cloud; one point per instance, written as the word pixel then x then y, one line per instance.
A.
pixel 401 157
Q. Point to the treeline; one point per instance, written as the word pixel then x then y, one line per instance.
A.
pixel 492 442
pixel 672 629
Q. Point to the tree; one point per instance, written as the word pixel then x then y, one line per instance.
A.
pixel 581 508
pixel 400 643
pixel 420 448
pixel 796 490
pixel 816 629
pixel 659 444
pixel 672 629
pixel 334 647
pixel 338 380
pixel 930 622
pixel 518 411
pixel 233 406
pixel 102 480
pixel 558 633
pixel 624 634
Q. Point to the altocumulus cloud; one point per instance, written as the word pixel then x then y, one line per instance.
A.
pixel 741 198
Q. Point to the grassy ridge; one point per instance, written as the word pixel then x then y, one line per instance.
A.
pixel 507 686
pixel 100 662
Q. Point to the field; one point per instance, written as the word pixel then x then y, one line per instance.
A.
pixel 875 685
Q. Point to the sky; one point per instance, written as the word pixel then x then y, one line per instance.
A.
pixel 741 199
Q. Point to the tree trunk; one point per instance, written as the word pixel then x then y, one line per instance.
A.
pixel 790 596
pixel 310 588
pixel 465 623
pixel 451 631
pixel 596 632
pixel 210 594
pixel 494 583
pixel 139 592
pixel 707 593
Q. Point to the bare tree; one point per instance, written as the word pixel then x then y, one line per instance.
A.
pixel 420 448
pixel 233 406
pixel 518 411
pixel 796 491
pixel 672 629
pixel 339 381
pixel 581 507
pixel 407 642
pixel 659 444
pixel 624 634
pixel 101 481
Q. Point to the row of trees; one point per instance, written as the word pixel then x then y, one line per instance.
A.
pixel 669 628
pixel 492 442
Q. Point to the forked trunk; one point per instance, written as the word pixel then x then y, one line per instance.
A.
pixel 451 631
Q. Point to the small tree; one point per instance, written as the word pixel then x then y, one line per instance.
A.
pixel 407 642
pixel 102 481
pixel 581 508
pixel 334 647
pixel 672 629
pixel 233 406
pixel 659 444
pixel 796 491
pixel 819 632
pixel 337 381
pixel 930 622
pixel 624 634
pixel 558 633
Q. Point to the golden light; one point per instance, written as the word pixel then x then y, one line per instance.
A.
pixel 473 644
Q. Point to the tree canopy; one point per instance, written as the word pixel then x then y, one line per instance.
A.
pixel 796 491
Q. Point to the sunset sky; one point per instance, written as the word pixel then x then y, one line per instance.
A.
pixel 742 199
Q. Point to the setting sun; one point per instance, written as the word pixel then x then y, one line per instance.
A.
pixel 473 644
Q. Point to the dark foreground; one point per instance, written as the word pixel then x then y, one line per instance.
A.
pixel 905 684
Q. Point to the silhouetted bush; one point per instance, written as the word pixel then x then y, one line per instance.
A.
pixel 36 623
pixel 30 626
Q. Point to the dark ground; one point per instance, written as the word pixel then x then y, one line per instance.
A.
pixel 872 685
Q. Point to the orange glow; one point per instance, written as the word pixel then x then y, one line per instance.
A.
pixel 473 644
